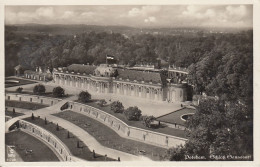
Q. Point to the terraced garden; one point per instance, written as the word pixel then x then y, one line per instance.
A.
pixel 77 148
pixel 139 124
pixel 110 138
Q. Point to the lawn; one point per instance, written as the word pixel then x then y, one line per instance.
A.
pixel 21 82
pixel 139 124
pixel 109 138
pixel 22 140
pixel 175 117
pixel 24 105
pixel 11 114
pixel 82 152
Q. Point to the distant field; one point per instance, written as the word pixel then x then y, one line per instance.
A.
pixel 21 82
pixel 71 143
pixel 24 105
pixel 109 138
pixel 22 140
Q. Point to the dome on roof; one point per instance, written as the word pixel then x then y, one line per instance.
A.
pixel 104 70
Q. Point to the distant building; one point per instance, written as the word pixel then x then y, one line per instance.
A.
pixel 19 70
pixel 129 82
pixel 38 74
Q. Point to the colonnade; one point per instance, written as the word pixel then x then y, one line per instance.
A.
pixel 153 92
pixel 138 90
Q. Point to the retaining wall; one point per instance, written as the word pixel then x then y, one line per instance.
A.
pixel 121 128
pixel 49 139
pixel 32 98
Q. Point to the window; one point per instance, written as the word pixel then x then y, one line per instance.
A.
pixel 147 90
pixel 30 99
pixel 8 97
pixel 20 99
pixel 41 101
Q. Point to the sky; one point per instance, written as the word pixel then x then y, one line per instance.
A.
pixel 135 16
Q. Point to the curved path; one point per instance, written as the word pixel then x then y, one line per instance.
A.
pixel 86 138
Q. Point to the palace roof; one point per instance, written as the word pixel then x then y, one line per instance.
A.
pixel 154 77
pixel 79 68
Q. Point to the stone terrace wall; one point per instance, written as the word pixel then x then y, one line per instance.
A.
pixel 49 139
pixel 32 98
pixel 121 128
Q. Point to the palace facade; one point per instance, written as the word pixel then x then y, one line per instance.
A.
pixel 152 85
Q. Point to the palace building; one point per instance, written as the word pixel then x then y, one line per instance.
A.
pixel 152 85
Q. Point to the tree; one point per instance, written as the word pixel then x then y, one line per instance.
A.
pixel 218 128
pixel 147 120
pixel 39 89
pixel 117 107
pixel 133 113
pixel 19 90
pixel 57 127
pixel 84 97
pixel 58 92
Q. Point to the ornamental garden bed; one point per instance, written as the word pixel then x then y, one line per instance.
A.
pixel 46 94
pixel 19 83
pixel 23 141
pixel 24 105
pixel 110 138
pixel 82 152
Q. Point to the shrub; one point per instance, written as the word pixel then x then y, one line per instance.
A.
pixel 133 113
pixel 147 120
pixel 117 107
pixel 39 89
pixel 84 97
pixel 65 106
pixel 19 90
pixel 102 102
pixel 58 92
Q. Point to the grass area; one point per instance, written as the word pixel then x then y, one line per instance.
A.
pixel 175 117
pixel 139 124
pixel 110 138
pixel 46 94
pixel 82 152
pixel 22 140
pixel 11 114
pixel 24 105
pixel 21 82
